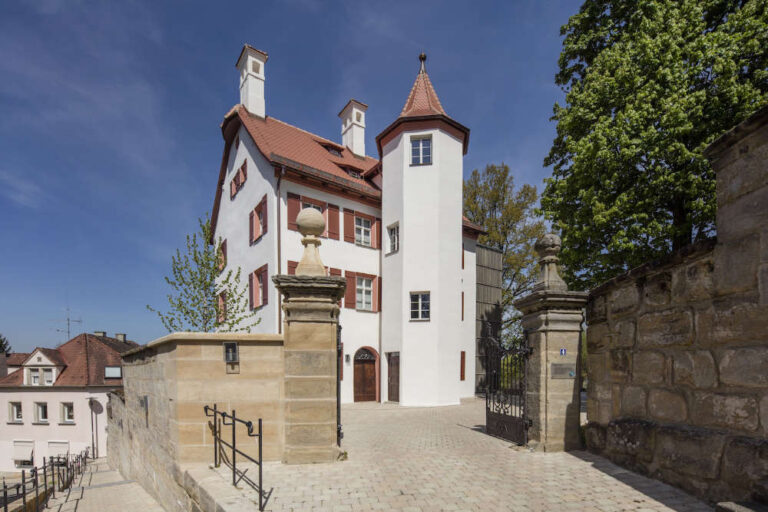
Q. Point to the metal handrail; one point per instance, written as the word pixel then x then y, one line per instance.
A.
pixel 60 470
pixel 223 418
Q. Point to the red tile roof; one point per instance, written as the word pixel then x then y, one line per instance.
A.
pixel 422 100
pixel 84 358
pixel 16 359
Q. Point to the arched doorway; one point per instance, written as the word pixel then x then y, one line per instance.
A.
pixel 366 375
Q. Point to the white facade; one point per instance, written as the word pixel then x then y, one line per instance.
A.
pixel 57 435
pixel 425 202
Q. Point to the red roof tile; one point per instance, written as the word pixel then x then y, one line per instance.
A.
pixel 84 358
pixel 16 358
pixel 422 100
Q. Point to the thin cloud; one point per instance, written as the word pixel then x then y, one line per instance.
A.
pixel 21 191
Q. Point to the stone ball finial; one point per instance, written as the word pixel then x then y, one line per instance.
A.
pixel 310 222
pixel 548 245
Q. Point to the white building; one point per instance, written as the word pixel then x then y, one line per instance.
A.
pixel 395 231
pixel 55 400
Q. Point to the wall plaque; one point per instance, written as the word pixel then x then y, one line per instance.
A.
pixel 563 371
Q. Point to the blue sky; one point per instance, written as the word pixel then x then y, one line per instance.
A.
pixel 110 112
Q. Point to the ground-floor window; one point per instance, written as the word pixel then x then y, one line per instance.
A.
pixel 23 453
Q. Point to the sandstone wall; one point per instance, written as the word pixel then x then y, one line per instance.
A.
pixel 158 428
pixel 678 351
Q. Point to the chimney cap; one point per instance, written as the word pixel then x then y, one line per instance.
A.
pixel 353 102
pixel 250 49
pixel 120 336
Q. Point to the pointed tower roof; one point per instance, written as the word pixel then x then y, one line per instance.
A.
pixel 423 100
pixel 423 110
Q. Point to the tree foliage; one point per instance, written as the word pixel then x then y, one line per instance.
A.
pixel 649 84
pixel 5 345
pixel 509 217
pixel 197 282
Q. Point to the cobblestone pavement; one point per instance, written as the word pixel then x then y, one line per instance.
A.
pixel 429 459
pixel 101 489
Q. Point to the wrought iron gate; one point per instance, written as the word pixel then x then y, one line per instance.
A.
pixel 505 409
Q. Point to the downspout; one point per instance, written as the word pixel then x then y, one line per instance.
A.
pixel 279 245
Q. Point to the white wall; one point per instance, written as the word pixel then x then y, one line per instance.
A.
pixel 359 328
pixel 467 342
pixel 78 434
pixel 233 224
pixel 427 201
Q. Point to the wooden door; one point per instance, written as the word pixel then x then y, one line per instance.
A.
pixel 365 376
pixel 394 376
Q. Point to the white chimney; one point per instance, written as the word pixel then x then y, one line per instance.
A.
pixel 251 66
pixel 353 126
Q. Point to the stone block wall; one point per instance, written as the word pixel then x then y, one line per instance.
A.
pixel 157 427
pixel 678 350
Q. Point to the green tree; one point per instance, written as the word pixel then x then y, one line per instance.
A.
pixel 204 297
pixel 649 84
pixel 509 217
pixel 5 345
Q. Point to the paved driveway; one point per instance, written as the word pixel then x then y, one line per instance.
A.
pixel 425 459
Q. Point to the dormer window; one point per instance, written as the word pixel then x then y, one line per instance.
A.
pixel 48 376
pixel 256 66
pixel 358 116
pixel 334 151
pixel 113 372
pixel 34 377
pixel 421 150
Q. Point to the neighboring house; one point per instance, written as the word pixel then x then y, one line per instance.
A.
pixel 395 232
pixel 55 400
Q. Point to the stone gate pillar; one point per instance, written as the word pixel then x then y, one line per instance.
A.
pixel 552 318
pixel 310 304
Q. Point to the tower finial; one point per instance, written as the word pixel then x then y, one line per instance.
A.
pixel 422 59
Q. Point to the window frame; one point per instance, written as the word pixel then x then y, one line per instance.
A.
pixel 34 376
pixel 361 240
pixel 360 286
pixel 15 412
pixel 420 306
pixel 38 407
pixel 67 406
pixel 418 139
pixel 394 242
pixel 46 373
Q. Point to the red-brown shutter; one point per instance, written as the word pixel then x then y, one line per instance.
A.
pixel 378 286
pixel 223 255
pixel 349 225
pixel 333 222
pixel 377 234
pixel 250 227
pixel 264 221
pixel 292 267
pixel 264 286
pixel 244 168
pixel 463 363
pixel 375 292
pixel 250 290
pixel 294 205
pixel 232 188
pixel 351 292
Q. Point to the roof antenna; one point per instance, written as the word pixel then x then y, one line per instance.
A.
pixel 70 320
pixel 423 59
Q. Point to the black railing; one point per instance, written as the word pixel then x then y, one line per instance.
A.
pixel 225 419
pixel 56 474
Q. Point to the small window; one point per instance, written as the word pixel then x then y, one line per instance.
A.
pixel 353 174
pixel 34 377
pixel 256 66
pixel 222 255
pixel 362 231
pixel 67 412
pixel 231 354
pixel 394 238
pixel 333 151
pixel 364 294
pixel 113 372
pixel 41 412
pixel 306 204
pixel 420 306
pixel 421 150
pixel 14 412
pixel 48 376
pixel 358 116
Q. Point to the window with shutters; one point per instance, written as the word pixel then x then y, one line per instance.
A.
pixel 394 238
pixel 362 231
pixel 257 220
pixel 419 306
pixel 258 287
pixel 222 255
pixel 306 204
pixel 238 180
pixel 221 314
pixel 364 294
